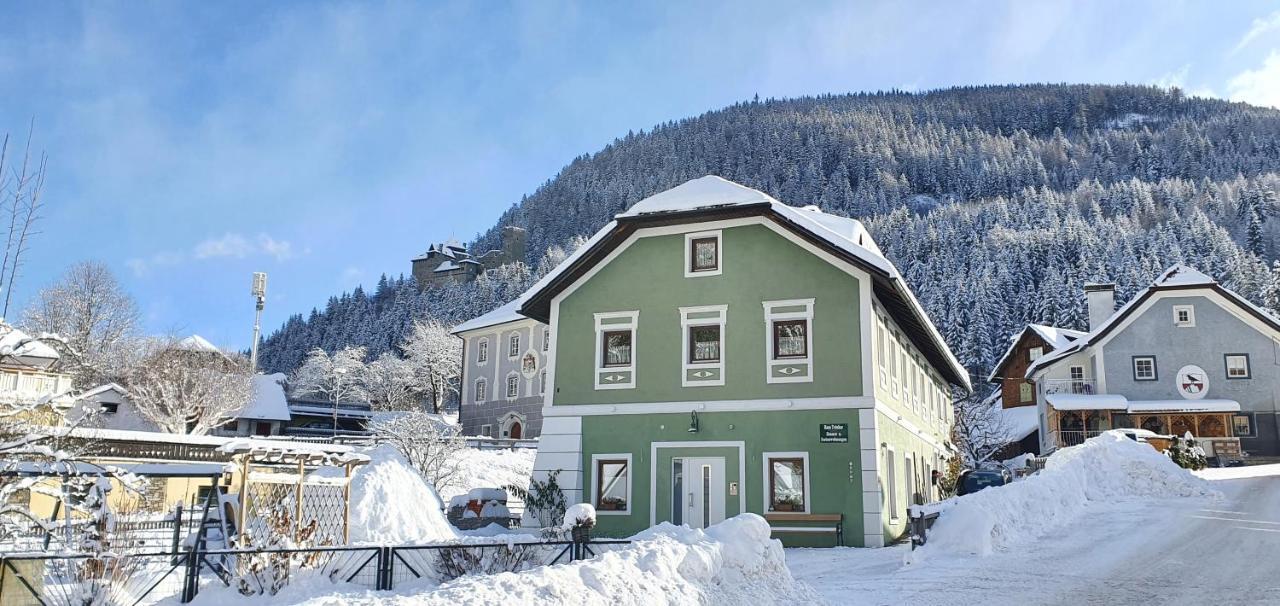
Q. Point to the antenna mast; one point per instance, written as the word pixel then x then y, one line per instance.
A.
pixel 260 295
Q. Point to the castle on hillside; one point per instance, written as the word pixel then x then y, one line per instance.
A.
pixel 451 262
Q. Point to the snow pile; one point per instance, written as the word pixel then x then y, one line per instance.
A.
pixel 734 562
pixel 1107 469
pixel 391 503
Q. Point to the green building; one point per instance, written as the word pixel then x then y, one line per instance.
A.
pixel 715 351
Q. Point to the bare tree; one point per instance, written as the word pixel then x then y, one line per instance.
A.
pixel 436 358
pixel 980 430
pixel 392 384
pixel 20 203
pixel 94 317
pixel 430 445
pixel 185 390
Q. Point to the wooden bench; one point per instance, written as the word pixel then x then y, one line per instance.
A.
pixel 834 523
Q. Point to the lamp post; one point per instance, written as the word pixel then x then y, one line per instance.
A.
pixel 337 397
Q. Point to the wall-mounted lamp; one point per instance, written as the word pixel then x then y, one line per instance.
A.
pixel 693 421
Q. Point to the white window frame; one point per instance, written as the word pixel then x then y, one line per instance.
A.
pixel 685 324
pixel 632 324
pixel 688 253
pixel 513 345
pixel 542 381
pixel 894 369
pixel 1035 353
pixel 482 351
pixel 595 482
pixel 486 430
pixel 1226 360
pixel 769 317
pixel 764 478
pixel 506 386
pixel 546 338
pixel 1191 316
pixel 480 392
pixel 891 480
pixel 882 352
pixel 1155 373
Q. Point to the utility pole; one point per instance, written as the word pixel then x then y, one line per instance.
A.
pixel 260 295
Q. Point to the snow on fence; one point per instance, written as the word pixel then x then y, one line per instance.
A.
pixel 143 578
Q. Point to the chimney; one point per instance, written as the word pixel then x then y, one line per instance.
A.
pixel 1102 303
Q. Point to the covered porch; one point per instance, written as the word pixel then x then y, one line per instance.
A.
pixel 1074 418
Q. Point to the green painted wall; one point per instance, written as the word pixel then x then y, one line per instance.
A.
pixel 917 489
pixel 758 265
pixel 834 474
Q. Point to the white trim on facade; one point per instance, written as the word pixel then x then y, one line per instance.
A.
pixel 590 410
pixel 688 253
pixel 764 479
pixel 653 469
pixel 686 365
pixel 601 324
pixel 770 317
pixel 595 482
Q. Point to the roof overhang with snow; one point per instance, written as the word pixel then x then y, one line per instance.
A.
pixel 1205 405
pixel 1054 338
pixel 1071 401
pixel 735 202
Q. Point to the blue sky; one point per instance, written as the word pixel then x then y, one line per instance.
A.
pixel 191 144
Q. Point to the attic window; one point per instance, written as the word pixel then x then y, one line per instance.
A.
pixel 1036 352
pixel 1184 316
pixel 702 254
pixel 110 407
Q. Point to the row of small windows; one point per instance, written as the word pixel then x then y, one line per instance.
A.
pixel 787 487
pixel 513 346
pixel 903 373
pixel 513 383
pixel 790 340
pixel 1236 366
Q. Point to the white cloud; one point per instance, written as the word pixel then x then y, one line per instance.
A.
pixel 230 245
pixel 1258 86
pixel 1260 27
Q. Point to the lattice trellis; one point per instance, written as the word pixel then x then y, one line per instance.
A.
pixel 283 501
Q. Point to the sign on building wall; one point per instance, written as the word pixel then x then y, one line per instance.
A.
pixel 1192 382
pixel 833 433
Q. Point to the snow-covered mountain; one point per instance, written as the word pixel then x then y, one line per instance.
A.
pixel 996 202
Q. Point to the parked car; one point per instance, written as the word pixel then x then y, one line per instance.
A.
pixel 973 480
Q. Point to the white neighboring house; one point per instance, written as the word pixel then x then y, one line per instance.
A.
pixel 26 370
pixel 264 415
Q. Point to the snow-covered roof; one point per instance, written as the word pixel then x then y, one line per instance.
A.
pixel 712 192
pixel 1021 421
pixel 1206 405
pixel 1073 401
pixel 1056 338
pixel 502 315
pixel 198 343
pixel 1177 276
pixel 95 433
pixel 14 342
pixel 102 389
pixel 446 266
pixel 268 403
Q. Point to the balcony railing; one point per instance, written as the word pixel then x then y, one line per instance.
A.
pixel 1074 437
pixel 1071 386
pixel 32 385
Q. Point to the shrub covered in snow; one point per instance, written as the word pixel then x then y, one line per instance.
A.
pixel 1108 468
pixel 580 514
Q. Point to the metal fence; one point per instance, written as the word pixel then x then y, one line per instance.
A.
pixel 144 578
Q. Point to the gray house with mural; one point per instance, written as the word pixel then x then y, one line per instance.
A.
pixel 1184 355
pixel 503 373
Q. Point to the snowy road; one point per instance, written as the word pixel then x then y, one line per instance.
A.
pixel 1183 551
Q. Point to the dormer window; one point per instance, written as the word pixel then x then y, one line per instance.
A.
pixel 1184 316
pixel 702 254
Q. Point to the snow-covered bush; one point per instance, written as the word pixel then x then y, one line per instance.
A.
pixel 580 514
pixel 1186 453
pixel 429 444
pixel 391 503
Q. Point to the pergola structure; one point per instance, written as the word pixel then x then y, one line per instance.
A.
pixel 294 491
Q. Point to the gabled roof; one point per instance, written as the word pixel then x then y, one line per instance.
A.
pixel 197 343
pixel 713 198
pixel 1056 338
pixel 102 389
pixel 502 315
pixel 1178 277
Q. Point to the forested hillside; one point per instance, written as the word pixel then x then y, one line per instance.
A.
pixel 997 203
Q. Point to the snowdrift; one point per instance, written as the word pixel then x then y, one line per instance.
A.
pixel 1107 469
pixel 392 504
pixel 734 562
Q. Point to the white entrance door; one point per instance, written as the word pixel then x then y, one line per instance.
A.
pixel 699 484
